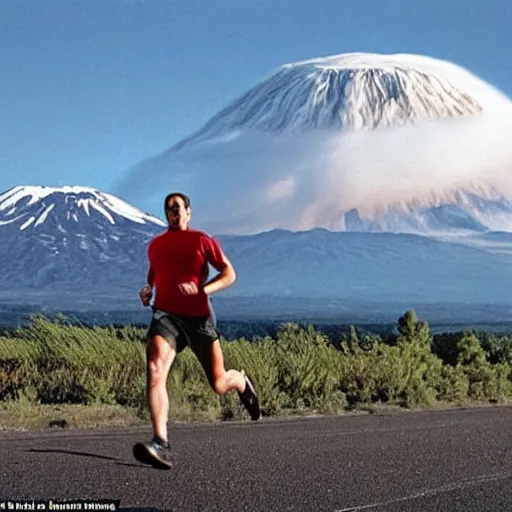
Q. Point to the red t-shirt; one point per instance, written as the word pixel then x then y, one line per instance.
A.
pixel 176 257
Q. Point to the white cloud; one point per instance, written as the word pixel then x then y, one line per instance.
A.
pixel 280 189
pixel 257 181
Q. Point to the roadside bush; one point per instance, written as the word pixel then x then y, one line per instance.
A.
pixel 298 370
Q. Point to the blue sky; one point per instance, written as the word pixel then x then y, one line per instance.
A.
pixel 90 88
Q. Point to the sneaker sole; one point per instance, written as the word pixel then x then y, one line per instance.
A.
pixel 147 456
pixel 253 391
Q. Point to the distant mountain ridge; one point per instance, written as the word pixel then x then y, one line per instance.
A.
pixel 467 210
pixel 88 262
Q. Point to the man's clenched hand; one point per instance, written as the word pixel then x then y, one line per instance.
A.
pixel 146 293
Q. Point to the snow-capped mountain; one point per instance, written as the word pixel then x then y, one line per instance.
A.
pixel 71 239
pixel 355 91
pixel 401 143
pixel 67 207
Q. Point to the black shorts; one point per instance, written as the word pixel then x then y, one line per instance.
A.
pixel 186 330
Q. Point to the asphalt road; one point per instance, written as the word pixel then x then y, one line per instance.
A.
pixel 456 460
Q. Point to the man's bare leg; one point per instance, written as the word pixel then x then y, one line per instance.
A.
pixel 221 380
pixel 160 356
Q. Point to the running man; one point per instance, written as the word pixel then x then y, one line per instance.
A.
pixel 182 316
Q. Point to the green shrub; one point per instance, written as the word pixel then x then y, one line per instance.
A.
pixel 298 370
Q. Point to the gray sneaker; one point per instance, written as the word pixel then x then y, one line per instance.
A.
pixel 156 454
pixel 249 399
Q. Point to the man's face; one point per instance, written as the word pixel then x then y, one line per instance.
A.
pixel 178 215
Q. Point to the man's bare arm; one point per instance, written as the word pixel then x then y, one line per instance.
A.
pixel 225 278
pixel 146 292
pixel 151 277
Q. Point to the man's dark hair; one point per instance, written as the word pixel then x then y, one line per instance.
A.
pixel 185 198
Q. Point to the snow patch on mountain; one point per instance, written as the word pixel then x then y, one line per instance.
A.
pixel 33 205
pixel 357 91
